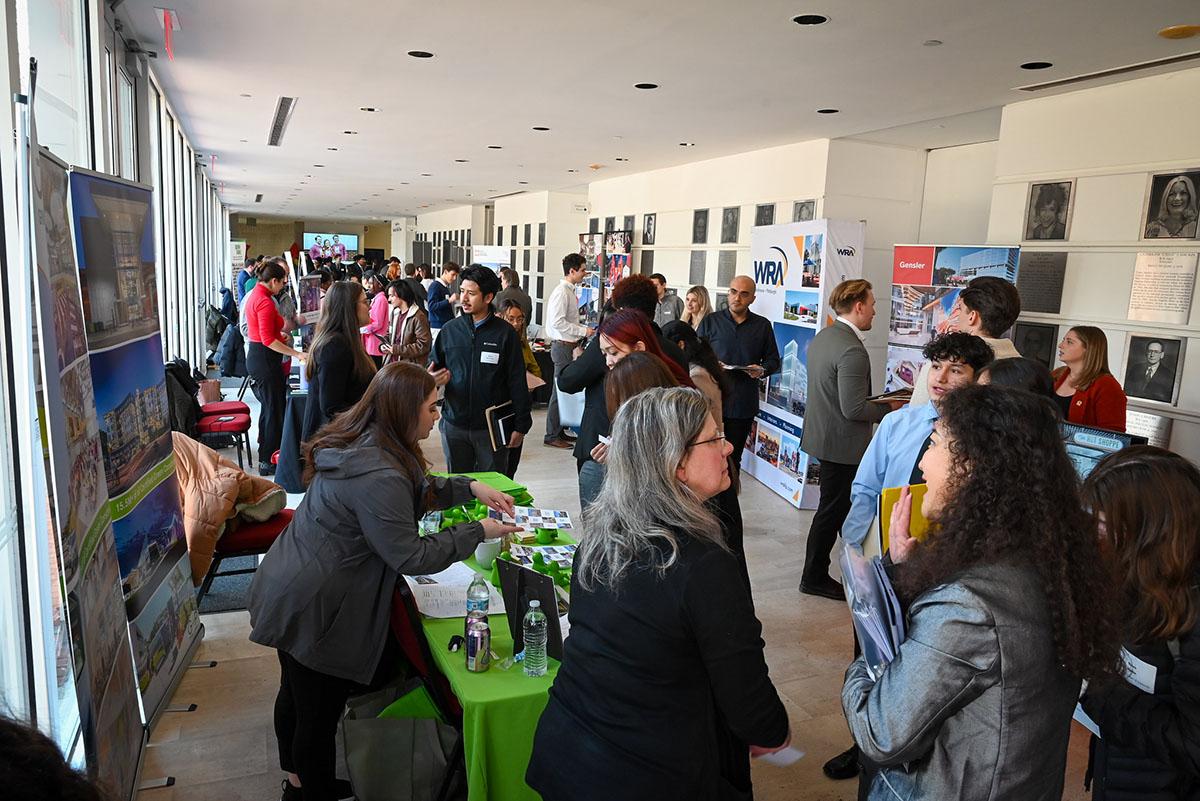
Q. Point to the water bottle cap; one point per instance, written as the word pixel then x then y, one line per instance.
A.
pixel 534 604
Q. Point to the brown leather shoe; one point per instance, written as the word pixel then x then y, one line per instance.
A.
pixel 558 443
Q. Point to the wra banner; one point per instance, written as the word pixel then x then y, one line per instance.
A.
pixel 99 642
pixel 796 266
pixel 114 244
pixel 926 280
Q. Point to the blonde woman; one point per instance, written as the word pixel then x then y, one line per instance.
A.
pixel 696 304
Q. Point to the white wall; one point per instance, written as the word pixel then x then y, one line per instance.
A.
pixel 444 220
pixel 1110 139
pixel 957 200
pixel 403 229
pixel 561 213
pixel 779 175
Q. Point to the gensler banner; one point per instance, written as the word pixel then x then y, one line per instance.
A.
pixel 796 266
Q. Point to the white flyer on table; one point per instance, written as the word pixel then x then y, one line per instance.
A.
pixel 445 594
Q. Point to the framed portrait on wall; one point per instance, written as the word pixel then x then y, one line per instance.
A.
pixel 1153 367
pixel 627 223
pixel 1036 341
pixel 730 217
pixel 1171 205
pixel 700 227
pixel 764 214
pixel 804 210
pixel 648 224
pixel 610 224
pixel 1048 211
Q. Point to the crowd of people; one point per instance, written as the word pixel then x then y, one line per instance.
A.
pixel 1030 587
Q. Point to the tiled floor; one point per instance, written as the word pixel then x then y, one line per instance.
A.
pixel 225 750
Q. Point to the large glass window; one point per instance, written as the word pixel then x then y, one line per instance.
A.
pixel 127 126
pixel 56 38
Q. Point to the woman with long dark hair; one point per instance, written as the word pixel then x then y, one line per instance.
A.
pixel 704 367
pixel 1146 502
pixel 1011 608
pixel 374 331
pixel 628 331
pixel 267 347
pixel 664 667
pixel 410 340
pixel 323 594
pixel 339 368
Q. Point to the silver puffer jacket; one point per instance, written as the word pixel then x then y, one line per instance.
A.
pixel 976 706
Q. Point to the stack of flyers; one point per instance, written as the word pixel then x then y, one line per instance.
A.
pixel 874 609
pixel 562 555
pixel 530 518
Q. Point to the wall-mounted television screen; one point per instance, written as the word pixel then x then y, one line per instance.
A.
pixel 330 246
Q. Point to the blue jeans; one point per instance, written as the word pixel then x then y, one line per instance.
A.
pixel 591 477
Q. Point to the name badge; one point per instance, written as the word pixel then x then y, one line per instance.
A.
pixel 1138 673
pixel 489 357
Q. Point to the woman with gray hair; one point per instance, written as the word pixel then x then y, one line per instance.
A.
pixel 663 690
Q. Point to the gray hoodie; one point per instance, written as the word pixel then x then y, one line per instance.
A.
pixel 323 593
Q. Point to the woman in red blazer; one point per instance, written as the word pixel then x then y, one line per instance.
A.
pixel 1086 391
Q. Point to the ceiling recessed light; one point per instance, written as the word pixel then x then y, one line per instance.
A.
pixel 245 94
pixel 426 175
pixel 522 183
pixel 370 109
pixel 420 54
pixel 1036 65
pixel 827 111
pixel 404 183
pixel 687 144
pixel 495 147
pixel 618 158
pixel 350 133
pixel 334 149
pixel 244 141
pixel 461 161
pixel 810 19
pixel 645 86
pixel 540 128
pixel 391 189
pixel 572 170
pixel 932 42
pixel 318 165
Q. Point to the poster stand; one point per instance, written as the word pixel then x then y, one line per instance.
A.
pixel 796 265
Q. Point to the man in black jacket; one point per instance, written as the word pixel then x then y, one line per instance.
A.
pixel 478 356
pixel 588 372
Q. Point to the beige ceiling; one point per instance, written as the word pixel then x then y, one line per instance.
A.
pixel 734 77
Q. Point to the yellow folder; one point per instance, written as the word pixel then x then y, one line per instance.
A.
pixel 918 526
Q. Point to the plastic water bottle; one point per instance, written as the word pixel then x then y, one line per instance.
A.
pixel 478 596
pixel 533 630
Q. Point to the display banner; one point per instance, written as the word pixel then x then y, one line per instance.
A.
pixel 114 244
pixel 103 666
pixel 796 265
pixel 237 259
pixel 926 280
pixel 496 257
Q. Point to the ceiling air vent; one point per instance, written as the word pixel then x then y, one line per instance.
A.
pixel 258 198
pixel 510 194
pixel 283 115
pixel 1109 73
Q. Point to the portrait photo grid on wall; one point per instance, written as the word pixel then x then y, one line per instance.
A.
pixel 700 227
pixel 1036 341
pixel 1048 211
pixel 649 222
pixel 1153 367
pixel 1171 207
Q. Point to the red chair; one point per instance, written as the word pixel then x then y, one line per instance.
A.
pixel 238 425
pixel 250 539
pixel 217 408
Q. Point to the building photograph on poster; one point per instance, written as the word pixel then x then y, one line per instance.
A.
pixel 801 306
pixel 161 630
pixel 766 447
pixel 787 389
pixel 790 457
pixel 1171 207
pixel 116 259
pixel 149 540
pixel 1048 211
pixel 903 366
pixel 131 407
pixel 810 275
pixel 919 313
pixel 1036 341
pixel 1153 367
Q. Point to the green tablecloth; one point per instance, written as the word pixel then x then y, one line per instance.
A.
pixel 500 712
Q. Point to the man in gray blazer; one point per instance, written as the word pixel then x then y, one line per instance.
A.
pixel 837 423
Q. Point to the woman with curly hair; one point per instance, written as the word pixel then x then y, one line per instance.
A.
pixel 1147 503
pixel 1011 609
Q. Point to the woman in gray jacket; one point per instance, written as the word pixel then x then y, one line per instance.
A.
pixel 322 596
pixel 1012 607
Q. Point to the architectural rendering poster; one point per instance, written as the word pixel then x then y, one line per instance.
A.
pixel 114 244
pixel 102 688
pixel 592 291
pixel 796 265
pixel 926 280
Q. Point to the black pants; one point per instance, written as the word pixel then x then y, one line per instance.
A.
pixel 270 387
pixel 736 431
pixel 307 710
pixel 514 460
pixel 836 481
